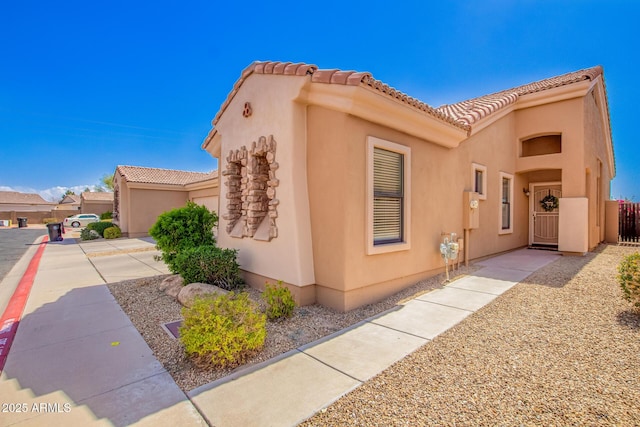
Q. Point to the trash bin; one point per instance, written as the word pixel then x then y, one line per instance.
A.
pixel 22 222
pixel 55 231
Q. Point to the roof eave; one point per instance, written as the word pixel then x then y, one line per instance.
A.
pixel 370 105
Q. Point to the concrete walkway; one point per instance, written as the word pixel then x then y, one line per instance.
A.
pixel 293 388
pixel 78 360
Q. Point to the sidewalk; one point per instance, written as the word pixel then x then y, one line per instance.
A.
pixel 76 359
pixel 77 355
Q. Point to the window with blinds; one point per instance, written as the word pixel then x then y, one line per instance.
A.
pixel 506 203
pixel 388 196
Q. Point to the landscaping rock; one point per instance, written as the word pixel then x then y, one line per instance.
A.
pixel 188 293
pixel 172 285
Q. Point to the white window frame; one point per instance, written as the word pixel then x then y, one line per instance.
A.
pixel 478 167
pixel 509 230
pixel 405 244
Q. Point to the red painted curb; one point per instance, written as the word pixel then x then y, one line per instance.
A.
pixel 13 313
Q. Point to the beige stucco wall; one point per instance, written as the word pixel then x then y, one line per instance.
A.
pixel 596 166
pixel 439 176
pixel 611 221
pixel 96 207
pixel 207 197
pixel 287 257
pixel 573 226
pixel 146 205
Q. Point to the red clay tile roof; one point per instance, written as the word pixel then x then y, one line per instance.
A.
pixel 462 114
pixel 15 197
pixel 102 196
pixel 349 78
pixel 473 110
pixel 162 176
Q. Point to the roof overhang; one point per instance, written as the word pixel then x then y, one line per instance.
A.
pixel 202 185
pixel 213 143
pixel 153 186
pixel 372 106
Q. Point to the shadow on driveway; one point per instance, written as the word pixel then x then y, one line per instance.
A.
pixel 85 346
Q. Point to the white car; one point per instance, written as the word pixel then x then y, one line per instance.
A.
pixel 80 220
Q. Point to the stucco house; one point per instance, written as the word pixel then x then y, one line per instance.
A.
pixel 342 186
pixel 142 193
pixel 96 202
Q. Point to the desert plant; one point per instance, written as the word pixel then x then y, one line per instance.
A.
pixel 87 234
pixel 106 215
pixel 280 303
pixel 629 278
pixel 182 228
pixel 100 226
pixel 223 330
pixel 112 232
pixel 209 264
pixel 46 221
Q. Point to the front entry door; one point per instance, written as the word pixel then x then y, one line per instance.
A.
pixel 544 209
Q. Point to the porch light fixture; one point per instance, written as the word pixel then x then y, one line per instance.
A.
pixel 526 192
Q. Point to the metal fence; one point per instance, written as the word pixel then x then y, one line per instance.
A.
pixel 629 222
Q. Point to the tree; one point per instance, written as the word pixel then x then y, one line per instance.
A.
pixel 107 181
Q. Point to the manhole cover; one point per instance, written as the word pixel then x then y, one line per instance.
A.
pixel 172 328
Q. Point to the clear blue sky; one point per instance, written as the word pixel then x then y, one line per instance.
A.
pixel 86 85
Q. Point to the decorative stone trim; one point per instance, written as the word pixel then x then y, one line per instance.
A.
pixel 251 189
pixel 116 202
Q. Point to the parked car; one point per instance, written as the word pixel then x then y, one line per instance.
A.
pixel 80 220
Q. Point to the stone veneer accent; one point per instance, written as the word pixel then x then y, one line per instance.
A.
pixel 116 203
pixel 251 189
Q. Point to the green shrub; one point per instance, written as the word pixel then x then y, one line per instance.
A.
pixel 100 226
pixel 112 232
pixel 106 215
pixel 280 303
pixel 209 264
pixel 87 234
pixel 183 228
pixel 629 278
pixel 223 330
pixel 49 220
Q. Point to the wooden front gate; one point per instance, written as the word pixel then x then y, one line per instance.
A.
pixel 629 222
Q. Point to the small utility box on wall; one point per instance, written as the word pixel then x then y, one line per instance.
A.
pixel 470 210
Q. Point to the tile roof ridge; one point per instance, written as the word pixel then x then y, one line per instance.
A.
pixel 472 110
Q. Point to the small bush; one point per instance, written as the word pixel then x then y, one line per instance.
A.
pixel 106 215
pixel 223 330
pixel 629 278
pixel 112 232
pixel 182 228
pixel 209 264
pixel 100 226
pixel 280 303
pixel 87 234
pixel 46 221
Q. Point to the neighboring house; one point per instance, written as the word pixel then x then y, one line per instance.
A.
pixel 14 205
pixel 70 203
pixel 141 194
pixel 96 202
pixel 342 186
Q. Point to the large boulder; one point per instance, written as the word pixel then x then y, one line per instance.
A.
pixel 172 285
pixel 188 293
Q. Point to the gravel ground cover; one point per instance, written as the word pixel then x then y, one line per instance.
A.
pixel 148 308
pixel 560 349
